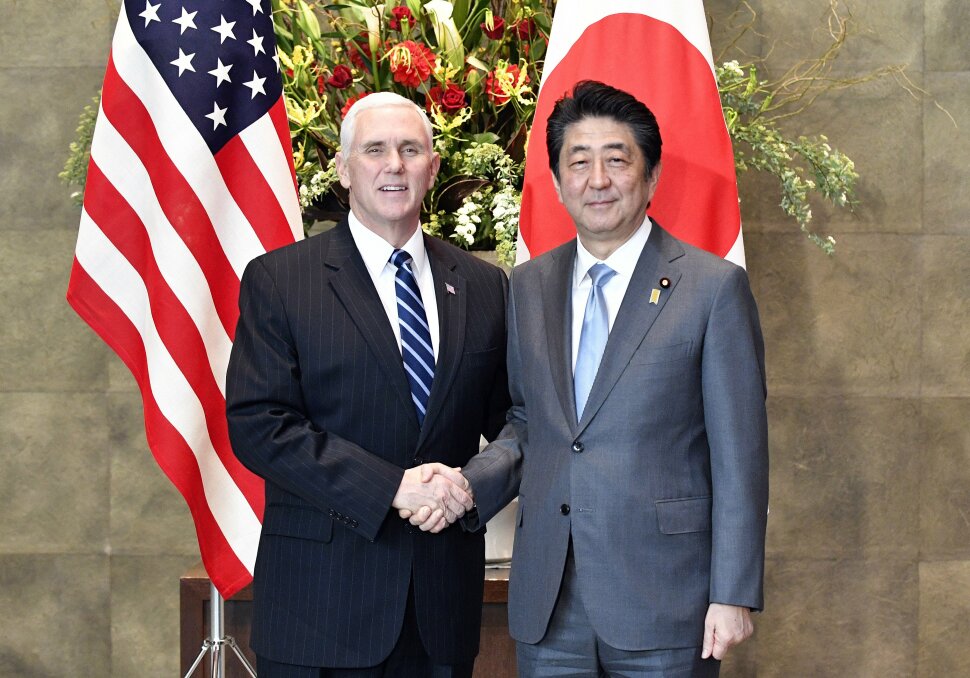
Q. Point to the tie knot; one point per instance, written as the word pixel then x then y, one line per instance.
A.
pixel 400 258
pixel 600 274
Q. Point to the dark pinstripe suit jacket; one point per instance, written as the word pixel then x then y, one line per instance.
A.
pixel 319 406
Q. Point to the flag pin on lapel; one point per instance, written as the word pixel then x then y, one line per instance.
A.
pixel 654 296
pixel 449 288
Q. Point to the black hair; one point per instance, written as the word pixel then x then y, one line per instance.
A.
pixel 592 99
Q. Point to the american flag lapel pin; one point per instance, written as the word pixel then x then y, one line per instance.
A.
pixel 449 288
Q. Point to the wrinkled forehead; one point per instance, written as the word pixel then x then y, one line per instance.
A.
pixel 391 125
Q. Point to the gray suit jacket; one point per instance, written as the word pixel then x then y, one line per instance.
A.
pixel 663 484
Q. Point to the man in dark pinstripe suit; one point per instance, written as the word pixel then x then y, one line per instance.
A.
pixel 321 406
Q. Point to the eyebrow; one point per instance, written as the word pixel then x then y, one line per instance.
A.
pixel 615 146
pixel 380 142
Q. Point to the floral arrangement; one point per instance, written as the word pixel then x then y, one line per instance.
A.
pixel 474 65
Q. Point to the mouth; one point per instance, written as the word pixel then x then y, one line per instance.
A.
pixel 392 189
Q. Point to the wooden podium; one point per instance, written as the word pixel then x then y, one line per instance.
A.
pixel 496 659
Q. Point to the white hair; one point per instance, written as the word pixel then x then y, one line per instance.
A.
pixel 378 100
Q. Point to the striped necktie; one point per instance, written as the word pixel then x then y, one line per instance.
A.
pixel 592 338
pixel 416 348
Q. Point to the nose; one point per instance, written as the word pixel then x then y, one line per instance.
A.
pixel 599 177
pixel 395 163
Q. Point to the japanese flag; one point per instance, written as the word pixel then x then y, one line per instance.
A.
pixel 660 52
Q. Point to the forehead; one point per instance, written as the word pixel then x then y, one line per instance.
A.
pixel 390 125
pixel 591 134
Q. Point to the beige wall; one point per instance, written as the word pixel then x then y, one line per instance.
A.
pixel 868 354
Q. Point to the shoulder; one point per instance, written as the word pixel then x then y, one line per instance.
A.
pixel 694 260
pixel 464 263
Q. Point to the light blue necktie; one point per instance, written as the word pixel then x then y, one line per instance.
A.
pixel 416 350
pixel 592 339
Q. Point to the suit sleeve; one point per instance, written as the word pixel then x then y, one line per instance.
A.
pixel 498 403
pixel 268 427
pixel 733 383
pixel 495 472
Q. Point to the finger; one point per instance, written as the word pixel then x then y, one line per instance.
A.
pixel 439 527
pixel 452 474
pixel 708 646
pixel 421 515
pixel 404 513
pixel 436 517
pixel 720 649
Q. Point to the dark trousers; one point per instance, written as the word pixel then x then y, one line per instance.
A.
pixel 408 659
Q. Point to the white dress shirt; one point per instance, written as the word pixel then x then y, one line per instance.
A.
pixel 623 261
pixel 376 253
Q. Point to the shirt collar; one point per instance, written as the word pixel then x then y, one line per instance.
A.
pixel 623 260
pixel 376 252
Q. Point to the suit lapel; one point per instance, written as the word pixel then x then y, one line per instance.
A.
pixel 636 314
pixel 450 298
pixel 557 307
pixel 353 286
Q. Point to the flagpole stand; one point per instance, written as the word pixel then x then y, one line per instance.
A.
pixel 217 641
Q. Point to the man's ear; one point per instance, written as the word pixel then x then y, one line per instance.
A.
pixel 654 178
pixel 555 183
pixel 342 170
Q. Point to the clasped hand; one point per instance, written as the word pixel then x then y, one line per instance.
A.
pixel 433 496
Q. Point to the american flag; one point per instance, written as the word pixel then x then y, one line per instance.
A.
pixel 191 176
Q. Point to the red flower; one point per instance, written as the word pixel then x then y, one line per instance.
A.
pixel 525 29
pixel 496 32
pixel 360 54
pixel 399 13
pixel 342 78
pixel 411 63
pixel 350 102
pixel 449 100
pixel 497 86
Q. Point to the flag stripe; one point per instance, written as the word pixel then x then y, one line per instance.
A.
pixel 185 148
pixel 265 148
pixel 124 230
pixel 124 170
pixel 251 192
pixel 179 205
pixel 176 401
pixel 169 450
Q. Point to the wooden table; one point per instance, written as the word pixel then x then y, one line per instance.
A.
pixel 496 659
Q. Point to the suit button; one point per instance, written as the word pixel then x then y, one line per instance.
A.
pixel 418 461
pixel 332 513
pixel 564 509
pixel 578 447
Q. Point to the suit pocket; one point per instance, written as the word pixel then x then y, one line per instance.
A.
pixel 299 522
pixel 481 358
pixel 680 516
pixel 650 355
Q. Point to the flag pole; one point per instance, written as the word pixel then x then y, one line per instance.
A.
pixel 214 644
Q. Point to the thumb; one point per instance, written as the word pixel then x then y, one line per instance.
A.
pixel 427 472
pixel 708 646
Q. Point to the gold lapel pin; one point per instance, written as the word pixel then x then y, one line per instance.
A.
pixel 654 296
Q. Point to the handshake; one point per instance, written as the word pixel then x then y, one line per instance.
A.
pixel 433 496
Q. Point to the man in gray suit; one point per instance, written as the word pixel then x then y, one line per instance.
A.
pixel 638 426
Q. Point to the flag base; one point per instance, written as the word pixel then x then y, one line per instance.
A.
pixel 215 644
